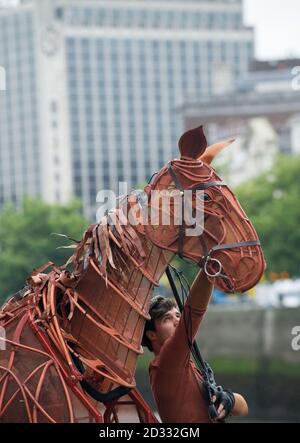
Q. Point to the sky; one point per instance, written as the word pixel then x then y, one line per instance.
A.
pixel 277 24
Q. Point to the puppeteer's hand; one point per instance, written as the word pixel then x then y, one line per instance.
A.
pixel 224 403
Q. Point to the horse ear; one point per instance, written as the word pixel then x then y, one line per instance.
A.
pixel 213 150
pixel 192 143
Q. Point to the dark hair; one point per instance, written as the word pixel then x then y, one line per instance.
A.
pixel 159 305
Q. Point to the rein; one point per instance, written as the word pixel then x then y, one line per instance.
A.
pixel 206 258
pixel 209 383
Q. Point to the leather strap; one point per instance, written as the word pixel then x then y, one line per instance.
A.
pixel 203 186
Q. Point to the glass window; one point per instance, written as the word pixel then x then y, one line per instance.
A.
pixel 87 83
pixel 84 44
pixel 59 13
pixel 90 138
pixel 53 106
pixel 100 16
pixel 86 61
pixel 106 181
pixel 250 49
pixel 88 16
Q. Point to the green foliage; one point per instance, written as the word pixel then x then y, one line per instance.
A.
pixel 271 201
pixel 26 241
pixel 188 268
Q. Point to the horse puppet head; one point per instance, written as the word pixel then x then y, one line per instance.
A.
pixel 191 211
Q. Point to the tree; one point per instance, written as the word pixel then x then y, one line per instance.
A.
pixel 271 201
pixel 26 241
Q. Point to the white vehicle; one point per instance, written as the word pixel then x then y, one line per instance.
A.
pixel 280 293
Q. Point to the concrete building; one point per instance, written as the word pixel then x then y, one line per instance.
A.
pixel 35 145
pixel 263 113
pixel 94 86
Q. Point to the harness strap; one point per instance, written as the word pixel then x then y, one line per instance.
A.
pixel 234 245
pixel 207 253
pixel 197 187
pixel 206 185
pixel 107 397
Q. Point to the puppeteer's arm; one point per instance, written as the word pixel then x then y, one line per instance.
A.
pixel 176 349
pixel 198 300
pixel 200 292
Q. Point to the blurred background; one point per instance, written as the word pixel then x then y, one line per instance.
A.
pixel 94 92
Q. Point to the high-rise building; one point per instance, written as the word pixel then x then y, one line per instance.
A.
pixel 35 145
pixel 106 80
pixel 20 154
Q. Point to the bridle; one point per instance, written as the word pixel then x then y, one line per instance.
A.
pixel 206 258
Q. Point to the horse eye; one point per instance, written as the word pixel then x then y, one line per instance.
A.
pixel 205 197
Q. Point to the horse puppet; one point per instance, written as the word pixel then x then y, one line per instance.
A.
pixel 73 334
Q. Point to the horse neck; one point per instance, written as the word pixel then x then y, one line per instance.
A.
pixel 118 302
pixel 133 254
pixel 138 278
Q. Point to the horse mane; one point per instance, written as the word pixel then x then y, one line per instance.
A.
pixel 111 242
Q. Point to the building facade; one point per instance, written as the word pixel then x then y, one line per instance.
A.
pixel 19 121
pixel 109 76
pixel 263 114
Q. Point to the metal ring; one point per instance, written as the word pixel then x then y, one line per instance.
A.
pixel 218 272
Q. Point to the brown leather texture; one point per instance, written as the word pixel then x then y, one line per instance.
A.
pixel 225 222
pixel 37 382
pixel 93 309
